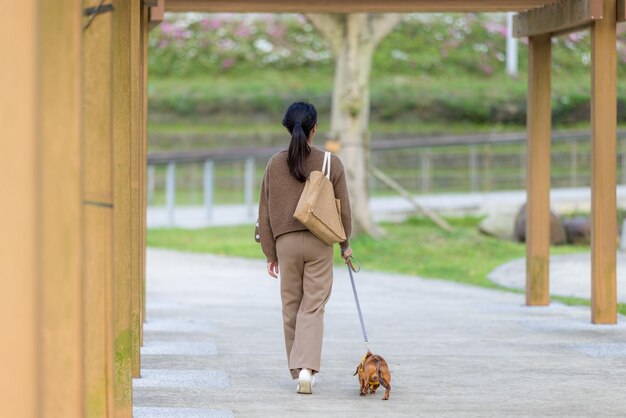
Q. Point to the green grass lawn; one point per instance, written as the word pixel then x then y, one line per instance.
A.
pixel 414 247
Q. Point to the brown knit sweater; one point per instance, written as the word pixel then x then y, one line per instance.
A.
pixel 280 193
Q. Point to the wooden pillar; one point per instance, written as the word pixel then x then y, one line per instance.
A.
pixel 136 152
pixel 603 167
pixel 59 205
pixel 41 350
pixel 19 245
pixel 98 214
pixel 122 236
pixel 145 28
pixel 152 17
pixel 538 165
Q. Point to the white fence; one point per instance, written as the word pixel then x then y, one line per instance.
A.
pixel 438 164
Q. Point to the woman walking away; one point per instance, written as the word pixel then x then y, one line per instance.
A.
pixel 305 262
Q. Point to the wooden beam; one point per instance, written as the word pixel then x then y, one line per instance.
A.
pixel 621 10
pixel 157 14
pixel 603 167
pixel 538 168
pixel 19 299
pixel 98 214
pixel 348 6
pixel 557 18
pixel 122 256
pixel 136 151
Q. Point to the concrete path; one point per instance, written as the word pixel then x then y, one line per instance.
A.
pixel 570 275
pixel 214 348
pixel 390 208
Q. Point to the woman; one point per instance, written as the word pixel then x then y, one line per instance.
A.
pixel 306 263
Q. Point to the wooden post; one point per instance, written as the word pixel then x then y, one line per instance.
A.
pixel 98 214
pixel 60 211
pixel 136 168
pixel 538 177
pixel 122 85
pixel 603 169
pixel 19 244
pixel 145 16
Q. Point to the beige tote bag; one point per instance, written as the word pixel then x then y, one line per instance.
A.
pixel 318 209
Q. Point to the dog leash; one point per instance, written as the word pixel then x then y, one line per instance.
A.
pixel 351 261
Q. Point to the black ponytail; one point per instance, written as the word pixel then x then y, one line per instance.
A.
pixel 300 119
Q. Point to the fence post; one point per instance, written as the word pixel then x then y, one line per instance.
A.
pixel 170 192
pixel 425 170
pixel 487 179
pixel 208 188
pixel 522 165
pixel 573 163
pixel 150 196
pixel 511 47
pixel 473 168
pixel 622 143
pixel 249 186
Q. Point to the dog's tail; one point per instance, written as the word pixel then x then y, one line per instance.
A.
pixel 381 381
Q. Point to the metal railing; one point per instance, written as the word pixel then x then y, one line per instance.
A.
pixel 436 164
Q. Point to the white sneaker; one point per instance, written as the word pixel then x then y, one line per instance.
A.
pixel 305 382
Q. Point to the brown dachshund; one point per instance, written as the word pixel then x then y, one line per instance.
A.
pixel 373 372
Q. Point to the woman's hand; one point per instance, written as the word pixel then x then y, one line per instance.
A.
pixel 272 268
pixel 345 254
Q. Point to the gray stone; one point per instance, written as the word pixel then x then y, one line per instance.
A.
pixel 577 230
pixel 499 222
pixel 557 233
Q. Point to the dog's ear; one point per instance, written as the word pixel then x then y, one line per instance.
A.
pixel 369 354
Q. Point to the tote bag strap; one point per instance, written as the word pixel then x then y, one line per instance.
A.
pixel 326 165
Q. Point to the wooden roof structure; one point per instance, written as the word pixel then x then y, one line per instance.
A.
pixel 348 6
pixel 74 111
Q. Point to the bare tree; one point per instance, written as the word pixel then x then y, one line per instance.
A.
pixel 353 38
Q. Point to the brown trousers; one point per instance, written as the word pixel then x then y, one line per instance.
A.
pixel 306 278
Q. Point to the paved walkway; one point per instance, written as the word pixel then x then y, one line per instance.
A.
pixel 214 348
pixel 389 208
pixel 570 275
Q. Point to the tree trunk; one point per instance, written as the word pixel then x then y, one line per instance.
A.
pixel 353 38
pixel 357 50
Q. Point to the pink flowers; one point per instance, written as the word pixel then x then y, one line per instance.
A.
pixel 228 63
pixel 422 44
pixel 243 32
pixel 211 24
